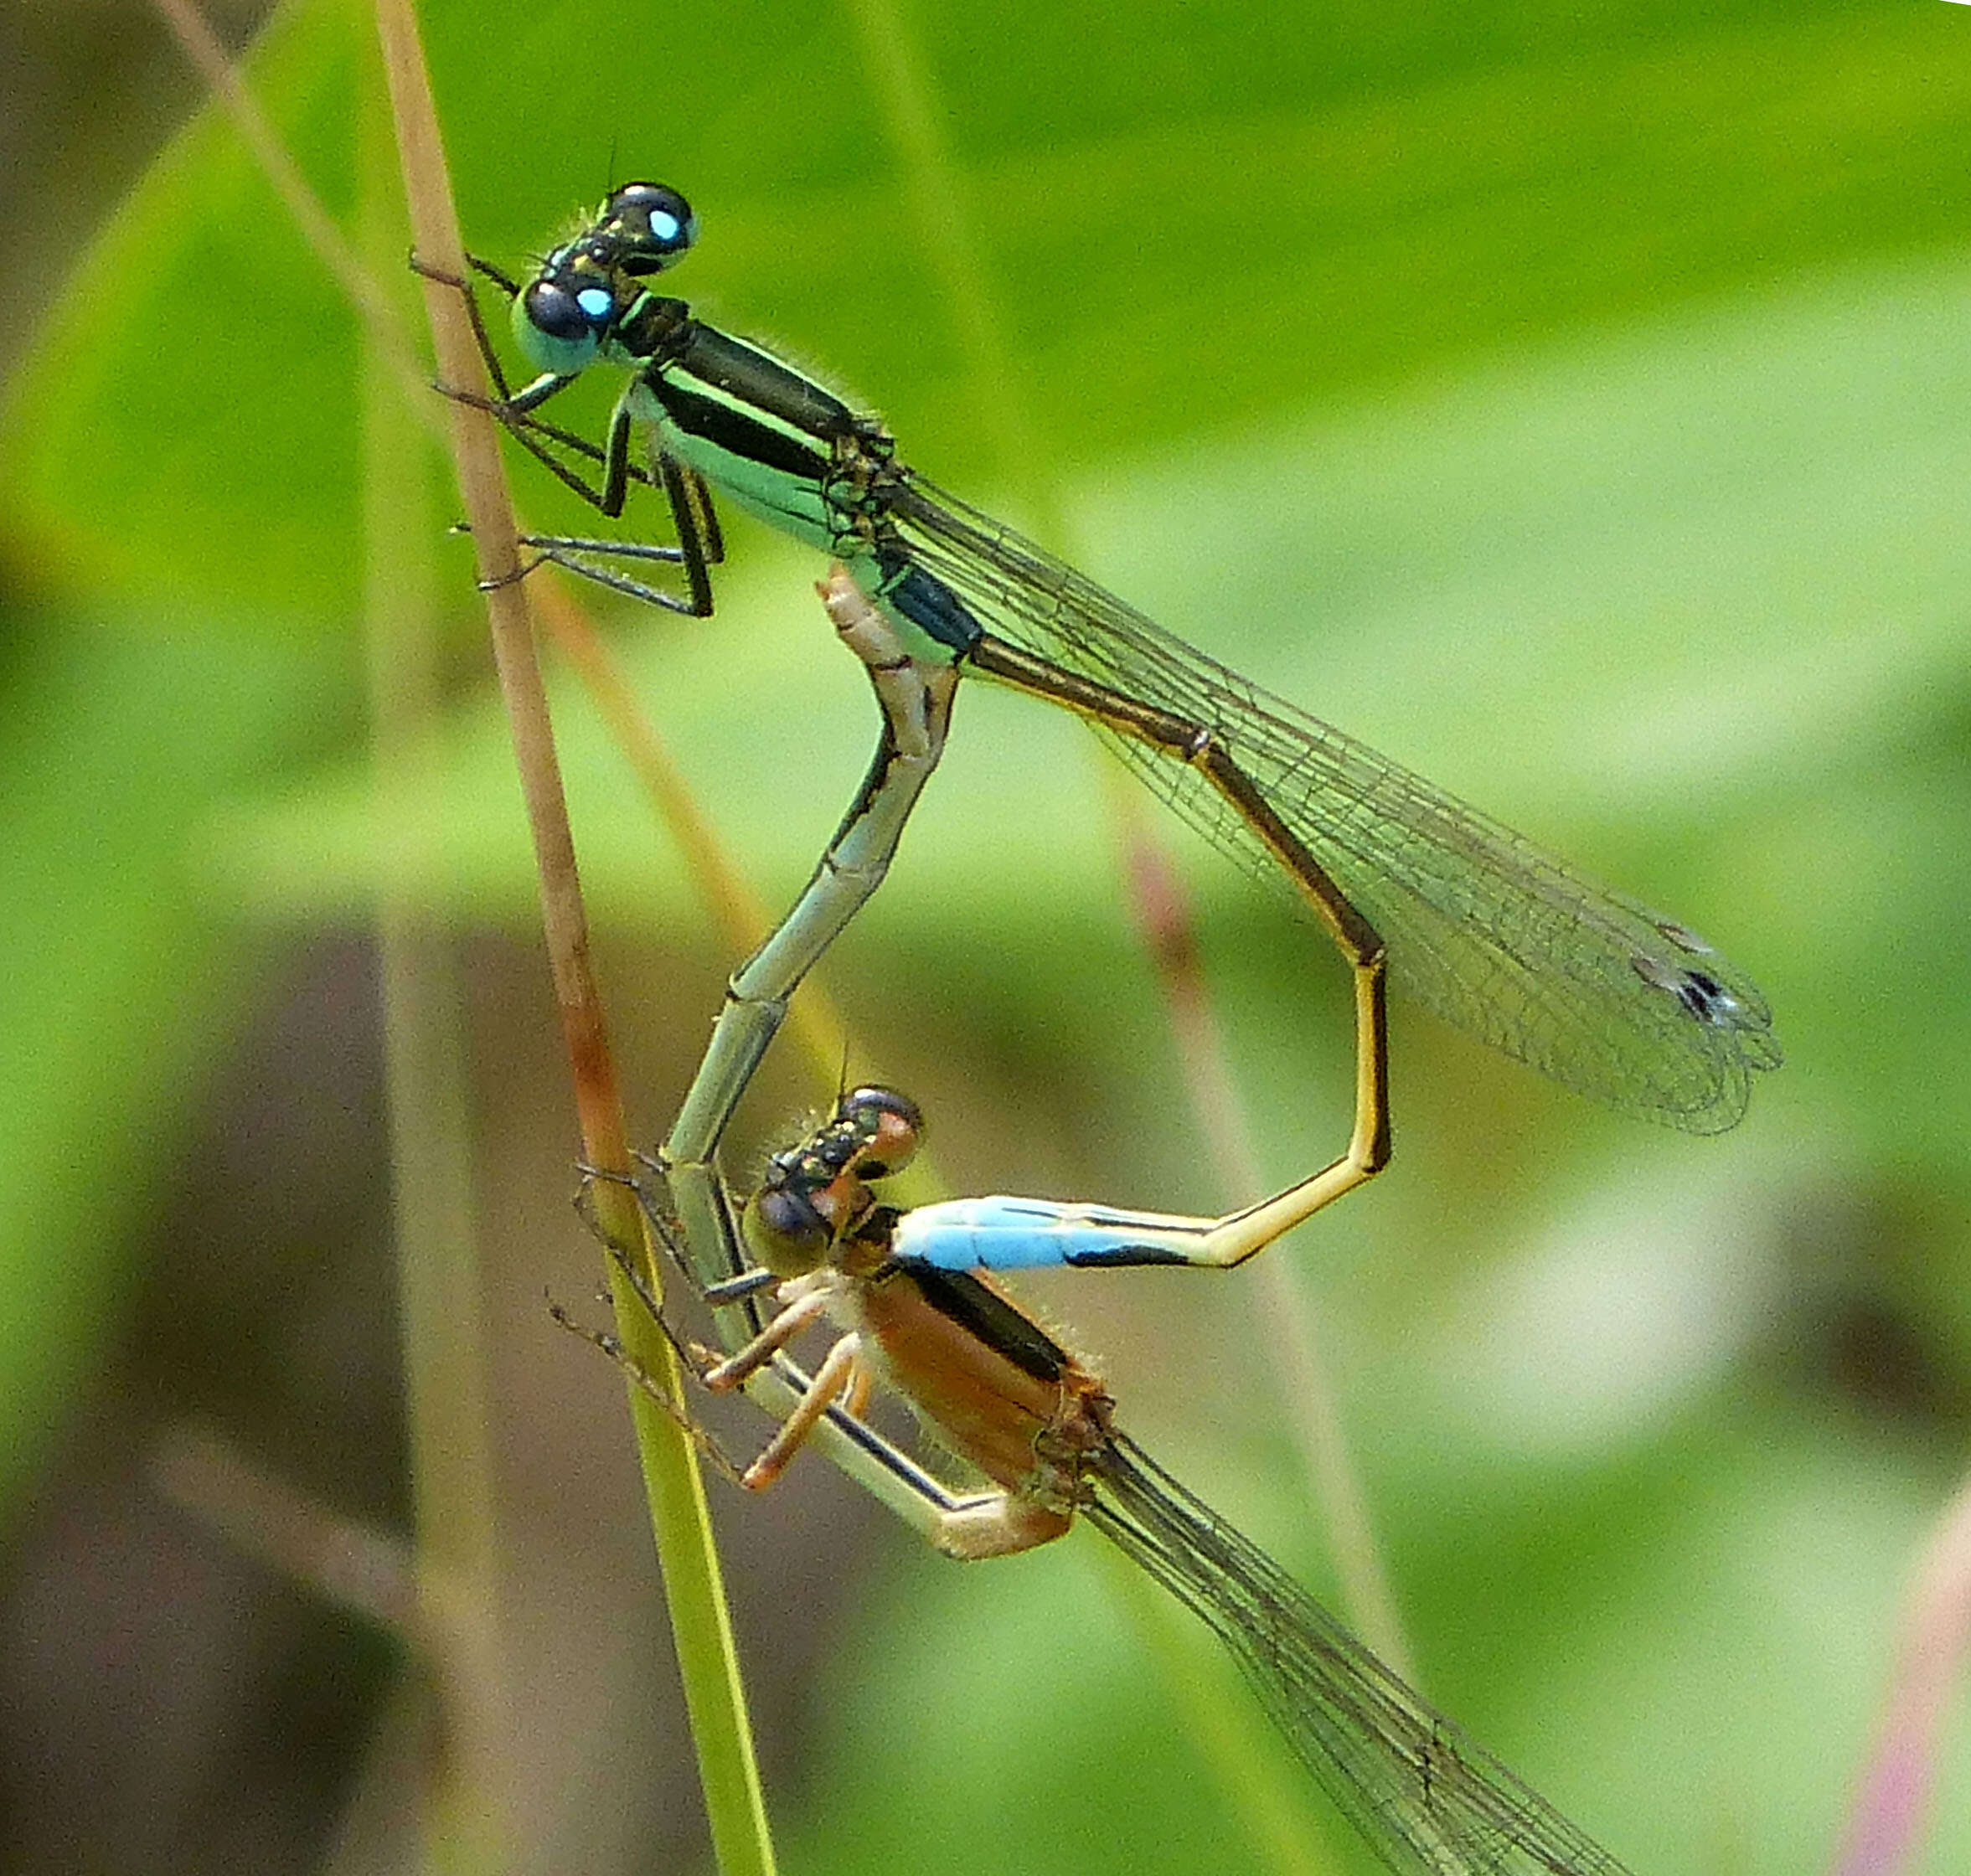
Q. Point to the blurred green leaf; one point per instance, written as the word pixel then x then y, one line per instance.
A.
pixel 1572 401
pixel 1245 214
pixel 120 971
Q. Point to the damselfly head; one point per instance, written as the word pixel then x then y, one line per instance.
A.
pixel 562 317
pixel 654 226
pixel 888 1127
pixel 815 1195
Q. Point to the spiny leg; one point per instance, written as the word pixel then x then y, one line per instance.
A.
pixel 743 1364
pixel 664 1233
pixel 533 431
pixel 651 1385
pixel 969 1526
pixel 692 1358
pixel 512 408
pixel 837 1375
pixel 700 545
pixel 824 1409
pixel 842 1372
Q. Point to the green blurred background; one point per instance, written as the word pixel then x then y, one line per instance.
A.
pixel 1571 401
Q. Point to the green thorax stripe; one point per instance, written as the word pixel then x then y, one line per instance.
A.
pixel 743 401
pixel 757 431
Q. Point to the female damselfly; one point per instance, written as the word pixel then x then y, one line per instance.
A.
pixel 988 1383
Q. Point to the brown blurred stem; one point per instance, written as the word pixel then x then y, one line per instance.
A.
pixel 346 1562
pixel 428 1096
pixel 1163 916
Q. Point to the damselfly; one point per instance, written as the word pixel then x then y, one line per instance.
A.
pixel 991 1385
pixel 1583 983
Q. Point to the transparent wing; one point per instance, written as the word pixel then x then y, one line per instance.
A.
pixel 1428 1800
pixel 1496 936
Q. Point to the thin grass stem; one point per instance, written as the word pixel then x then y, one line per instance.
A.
pixel 700 1622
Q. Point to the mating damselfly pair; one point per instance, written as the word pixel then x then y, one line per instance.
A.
pixel 1613 1000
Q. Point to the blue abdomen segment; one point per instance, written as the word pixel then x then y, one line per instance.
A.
pixel 1001 1234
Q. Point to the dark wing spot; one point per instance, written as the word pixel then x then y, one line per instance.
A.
pixel 1698 991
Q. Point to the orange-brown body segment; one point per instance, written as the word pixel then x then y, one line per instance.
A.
pixel 1024 1430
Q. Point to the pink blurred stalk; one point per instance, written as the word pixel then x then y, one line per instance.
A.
pixel 1885 1824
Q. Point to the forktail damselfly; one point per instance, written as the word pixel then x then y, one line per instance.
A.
pixel 1504 940
pixel 991 1385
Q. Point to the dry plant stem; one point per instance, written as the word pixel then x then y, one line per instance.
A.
pixel 701 1626
pixel 347 1564
pixel 1885 1827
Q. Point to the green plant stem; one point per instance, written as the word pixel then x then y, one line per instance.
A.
pixel 700 1625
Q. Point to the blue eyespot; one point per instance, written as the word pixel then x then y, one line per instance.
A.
pixel 653 223
pixel 558 330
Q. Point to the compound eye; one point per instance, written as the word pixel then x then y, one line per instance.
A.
pixel 560 324
pixel 556 313
pixel 891 1127
pixel 655 224
pixel 786 1232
